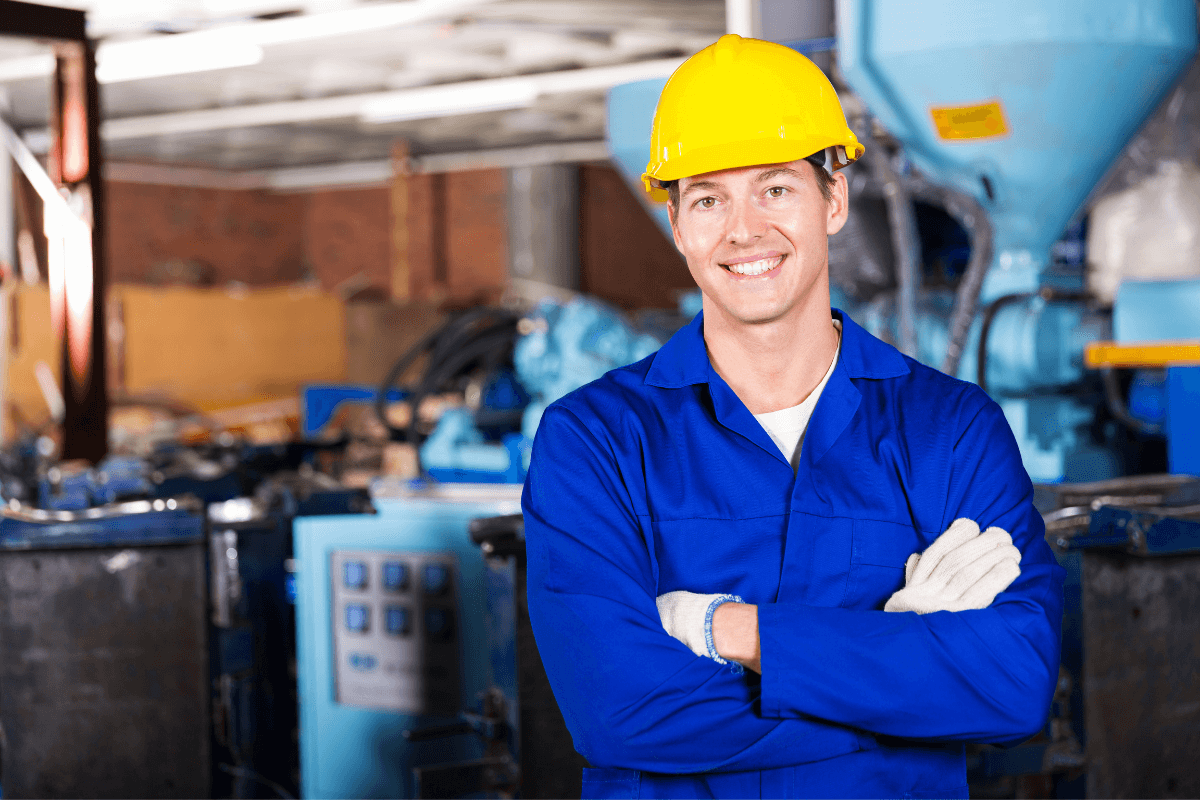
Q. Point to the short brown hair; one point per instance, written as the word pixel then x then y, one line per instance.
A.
pixel 824 183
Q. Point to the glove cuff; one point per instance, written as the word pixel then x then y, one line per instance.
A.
pixel 718 601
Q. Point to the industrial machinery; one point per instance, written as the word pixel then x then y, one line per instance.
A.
pixel 252 635
pixel 1126 723
pixel 539 745
pixel 104 673
pixel 391 641
pixel 509 369
pixel 139 550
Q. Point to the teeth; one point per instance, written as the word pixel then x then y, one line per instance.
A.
pixel 756 267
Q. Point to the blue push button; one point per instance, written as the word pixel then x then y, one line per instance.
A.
pixel 439 623
pixel 354 575
pixel 398 621
pixel 358 618
pixel 363 662
pixel 395 576
pixel 437 578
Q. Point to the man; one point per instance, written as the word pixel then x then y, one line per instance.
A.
pixel 760 489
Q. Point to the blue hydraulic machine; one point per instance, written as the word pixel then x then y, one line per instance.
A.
pixel 392 645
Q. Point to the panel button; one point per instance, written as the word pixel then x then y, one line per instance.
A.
pixel 363 662
pixel 358 618
pixel 439 623
pixel 398 620
pixel 354 575
pixel 437 579
pixel 395 576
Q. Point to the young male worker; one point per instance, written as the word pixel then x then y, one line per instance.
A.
pixel 760 489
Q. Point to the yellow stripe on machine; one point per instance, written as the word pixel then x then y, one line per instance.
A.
pixel 1142 354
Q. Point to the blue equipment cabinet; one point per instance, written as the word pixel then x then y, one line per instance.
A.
pixel 391 636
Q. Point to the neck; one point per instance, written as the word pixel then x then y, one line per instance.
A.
pixel 774 365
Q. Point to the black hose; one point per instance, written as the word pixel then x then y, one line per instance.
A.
pixel 974 219
pixel 906 244
pixel 496 338
pixel 246 772
pixel 989 316
pixel 440 343
pixel 1120 411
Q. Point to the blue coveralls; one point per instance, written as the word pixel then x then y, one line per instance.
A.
pixel 657 477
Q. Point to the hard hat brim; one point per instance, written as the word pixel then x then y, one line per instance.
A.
pixel 734 155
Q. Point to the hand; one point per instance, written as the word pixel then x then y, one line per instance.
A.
pixel 963 569
pixel 687 616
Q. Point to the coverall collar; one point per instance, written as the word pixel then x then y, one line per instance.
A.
pixel 683 360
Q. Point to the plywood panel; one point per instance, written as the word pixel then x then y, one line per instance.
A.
pixel 30 340
pixel 216 347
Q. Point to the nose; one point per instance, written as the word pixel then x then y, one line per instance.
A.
pixel 746 222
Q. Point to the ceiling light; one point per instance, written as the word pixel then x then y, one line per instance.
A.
pixel 237 45
pixel 450 99
pixel 155 58
pixel 354 20
pixel 26 67
pixel 379 106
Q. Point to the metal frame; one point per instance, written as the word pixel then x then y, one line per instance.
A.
pixel 76 167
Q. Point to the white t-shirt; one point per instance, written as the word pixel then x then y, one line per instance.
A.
pixel 786 427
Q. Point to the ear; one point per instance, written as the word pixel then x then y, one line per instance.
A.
pixel 838 207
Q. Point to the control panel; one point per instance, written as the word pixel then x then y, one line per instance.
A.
pixel 395 631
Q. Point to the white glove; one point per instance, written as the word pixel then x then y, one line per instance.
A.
pixel 687 616
pixel 962 569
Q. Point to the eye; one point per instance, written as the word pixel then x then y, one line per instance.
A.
pixel 777 191
pixel 706 202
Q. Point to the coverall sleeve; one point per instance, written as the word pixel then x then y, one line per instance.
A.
pixel 985 675
pixel 632 696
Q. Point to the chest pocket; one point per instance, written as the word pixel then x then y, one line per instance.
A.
pixel 737 556
pixel 878 552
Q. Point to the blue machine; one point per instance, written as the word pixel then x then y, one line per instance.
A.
pixel 563 348
pixel 391 637
pixel 1162 311
pixel 1019 107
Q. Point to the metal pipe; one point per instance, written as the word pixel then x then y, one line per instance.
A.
pixel 978 225
pixel 905 242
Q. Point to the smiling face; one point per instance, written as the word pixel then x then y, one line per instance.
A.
pixel 755 240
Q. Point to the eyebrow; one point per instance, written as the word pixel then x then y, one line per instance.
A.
pixel 777 172
pixel 700 186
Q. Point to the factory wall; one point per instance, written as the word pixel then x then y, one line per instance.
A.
pixel 201 236
pixel 227 296
pixel 457 237
pixel 347 240
pixel 624 256
pixel 340 239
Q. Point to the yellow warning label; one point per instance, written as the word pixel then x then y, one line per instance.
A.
pixel 970 122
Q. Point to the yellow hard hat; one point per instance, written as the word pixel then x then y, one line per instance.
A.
pixel 741 102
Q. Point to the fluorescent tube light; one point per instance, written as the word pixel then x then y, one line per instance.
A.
pixel 155 58
pixel 500 94
pixel 26 67
pixel 390 104
pixel 450 99
pixel 354 20
pixel 237 45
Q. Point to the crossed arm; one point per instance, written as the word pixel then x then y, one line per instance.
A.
pixel 635 698
pixel 964 569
